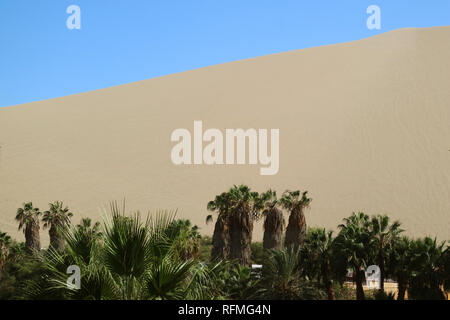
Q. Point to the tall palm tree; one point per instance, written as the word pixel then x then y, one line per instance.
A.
pixel 57 218
pixel 384 235
pixel 28 218
pixel 295 204
pixel 429 274
pixel 243 213
pixel 400 264
pixel 357 245
pixel 5 242
pixel 221 236
pixel 237 210
pixel 321 259
pixel 273 221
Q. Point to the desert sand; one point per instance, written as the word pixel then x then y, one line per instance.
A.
pixel 363 125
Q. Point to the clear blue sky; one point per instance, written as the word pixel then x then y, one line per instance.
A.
pixel 125 41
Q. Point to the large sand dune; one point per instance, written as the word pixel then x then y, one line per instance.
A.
pixel 363 126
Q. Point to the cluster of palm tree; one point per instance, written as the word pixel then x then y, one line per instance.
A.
pixel 238 209
pixel 57 218
pixel 127 257
pixel 420 265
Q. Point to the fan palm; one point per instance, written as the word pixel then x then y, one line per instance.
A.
pixel 281 274
pixel 241 283
pixel 57 218
pixel 356 243
pixel 384 235
pixel 82 239
pixel 237 210
pixel 221 236
pixel 135 259
pixel 28 218
pixel 5 242
pixel 400 264
pixel 273 221
pixel 429 275
pixel 281 277
pixel 188 238
pixel 321 259
pixel 446 270
pixel 295 204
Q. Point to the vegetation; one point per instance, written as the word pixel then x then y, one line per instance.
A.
pixel 161 257
pixel 356 244
pixel 28 218
pixel 401 257
pixel 273 221
pixel 237 210
pixel 384 235
pixel 296 229
pixel 57 218
pixel 322 260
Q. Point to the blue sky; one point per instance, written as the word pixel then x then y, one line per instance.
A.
pixel 126 41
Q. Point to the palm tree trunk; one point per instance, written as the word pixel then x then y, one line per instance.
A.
pixel 32 239
pixel 359 278
pixel 402 287
pixel 330 289
pixel 273 229
pixel 3 256
pixel 241 229
pixel 382 271
pixel 296 229
pixel 382 276
pixel 56 239
pixel 220 240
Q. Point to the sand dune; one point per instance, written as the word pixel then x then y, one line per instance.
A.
pixel 363 126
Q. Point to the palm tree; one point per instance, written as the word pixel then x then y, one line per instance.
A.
pixel 57 219
pixel 28 218
pixel 188 238
pixel 296 229
pixel 237 211
pixel 82 239
pixel 240 282
pixel 446 269
pixel 135 259
pixel 384 236
pixel 281 277
pixel 429 275
pixel 400 264
pixel 221 236
pixel 273 221
pixel 85 226
pixel 146 261
pixel 321 260
pixel 5 242
pixel 356 244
